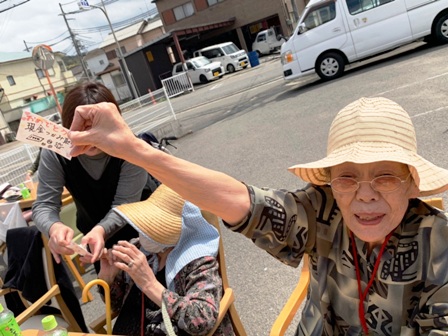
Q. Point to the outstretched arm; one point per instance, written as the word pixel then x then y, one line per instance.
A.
pixel 101 125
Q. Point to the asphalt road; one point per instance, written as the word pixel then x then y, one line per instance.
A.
pixel 254 125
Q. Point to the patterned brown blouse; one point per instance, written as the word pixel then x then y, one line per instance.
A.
pixel 409 295
pixel 193 307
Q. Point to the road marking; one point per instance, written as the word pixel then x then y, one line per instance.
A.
pixel 214 87
pixel 430 111
pixel 411 84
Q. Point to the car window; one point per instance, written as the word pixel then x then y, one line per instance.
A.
pixel 261 38
pixel 270 33
pixel 179 68
pixel 212 53
pixel 200 61
pixel 320 15
pixel 230 49
pixel 359 6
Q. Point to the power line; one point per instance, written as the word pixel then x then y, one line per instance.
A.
pixel 44 42
pixel 13 6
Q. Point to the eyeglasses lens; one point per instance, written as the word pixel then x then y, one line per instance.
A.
pixel 386 183
pixel 380 184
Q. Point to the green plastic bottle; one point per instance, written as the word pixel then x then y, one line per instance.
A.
pixel 8 323
pixel 51 327
pixel 24 191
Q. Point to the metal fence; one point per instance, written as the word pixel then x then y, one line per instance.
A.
pixel 177 85
pixel 146 113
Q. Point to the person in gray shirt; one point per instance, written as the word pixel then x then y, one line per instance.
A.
pixel 97 182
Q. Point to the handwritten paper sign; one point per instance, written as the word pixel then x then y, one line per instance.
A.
pixel 36 130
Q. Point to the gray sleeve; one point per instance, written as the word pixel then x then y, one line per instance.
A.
pixel 130 186
pixel 47 206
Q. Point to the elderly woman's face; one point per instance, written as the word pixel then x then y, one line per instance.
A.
pixel 370 214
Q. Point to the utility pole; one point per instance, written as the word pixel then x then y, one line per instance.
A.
pixel 120 53
pixel 75 43
pixel 127 74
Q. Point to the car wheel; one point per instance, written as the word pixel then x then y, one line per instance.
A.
pixel 330 66
pixel 230 68
pixel 441 32
pixel 203 79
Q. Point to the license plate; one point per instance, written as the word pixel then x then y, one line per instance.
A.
pixel 216 74
pixel 243 63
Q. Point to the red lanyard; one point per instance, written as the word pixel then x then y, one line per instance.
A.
pixel 362 295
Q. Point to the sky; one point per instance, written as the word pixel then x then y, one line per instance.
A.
pixel 40 22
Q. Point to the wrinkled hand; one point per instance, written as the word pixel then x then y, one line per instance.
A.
pixel 99 125
pixel 95 240
pixel 108 270
pixel 60 236
pixel 123 253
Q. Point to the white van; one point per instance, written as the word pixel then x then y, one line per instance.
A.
pixel 333 33
pixel 267 41
pixel 230 56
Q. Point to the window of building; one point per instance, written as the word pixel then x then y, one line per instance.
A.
pixel 359 6
pixel 41 74
pixel 181 12
pixel 112 54
pixel 213 2
pixel 11 80
pixel 123 50
pixel 101 62
pixel 118 79
pixel 62 66
pixel 320 15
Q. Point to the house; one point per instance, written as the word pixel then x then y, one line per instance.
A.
pixel 23 85
pixel 245 19
pixel 105 64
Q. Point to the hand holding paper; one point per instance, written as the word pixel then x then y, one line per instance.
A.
pixel 36 130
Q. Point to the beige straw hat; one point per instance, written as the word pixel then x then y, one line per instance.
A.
pixel 372 130
pixel 159 217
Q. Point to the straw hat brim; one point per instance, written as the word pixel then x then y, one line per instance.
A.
pixel 159 218
pixel 429 178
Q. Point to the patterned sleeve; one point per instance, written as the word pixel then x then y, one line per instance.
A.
pixel 282 222
pixel 195 304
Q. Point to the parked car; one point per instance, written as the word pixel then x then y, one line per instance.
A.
pixel 231 57
pixel 200 69
pixel 267 41
pixel 333 33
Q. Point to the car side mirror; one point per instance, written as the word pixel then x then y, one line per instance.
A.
pixel 302 28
